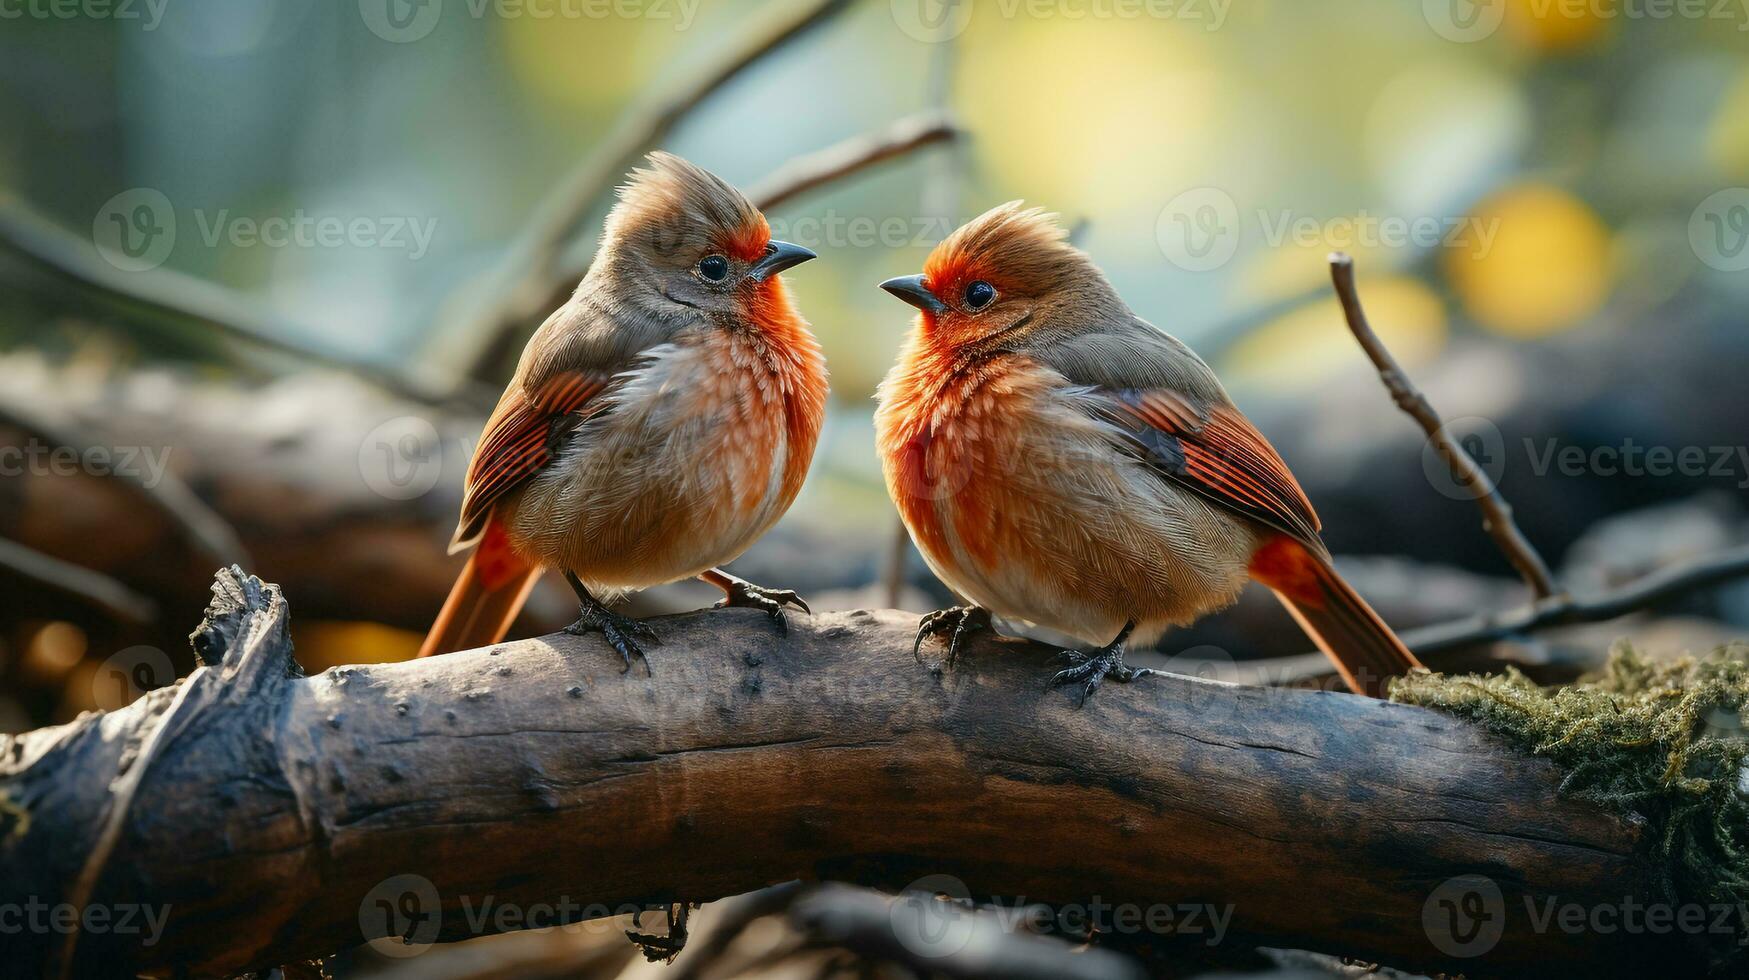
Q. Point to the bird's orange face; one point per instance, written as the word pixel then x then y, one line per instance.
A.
pixel 987 279
pixel 962 301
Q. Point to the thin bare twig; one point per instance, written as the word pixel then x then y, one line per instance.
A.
pixel 94 587
pixel 1496 512
pixel 1649 590
pixel 171 295
pixel 531 279
pixel 1564 610
pixel 806 173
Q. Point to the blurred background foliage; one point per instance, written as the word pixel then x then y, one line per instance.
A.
pixel 1576 141
pixel 1589 139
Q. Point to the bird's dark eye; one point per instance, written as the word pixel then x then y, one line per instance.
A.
pixel 979 295
pixel 713 267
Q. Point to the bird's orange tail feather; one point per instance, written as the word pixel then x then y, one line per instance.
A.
pixel 485 599
pixel 1367 653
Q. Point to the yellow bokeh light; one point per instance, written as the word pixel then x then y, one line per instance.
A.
pixel 52 651
pixel 1728 138
pixel 1295 266
pixel 1556 26
pixel 1088 113
pixel 324 643
pixel 1548 268
pixel 1308 345
pixel 581 61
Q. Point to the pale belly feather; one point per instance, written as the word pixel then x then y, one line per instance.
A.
pixel 682 473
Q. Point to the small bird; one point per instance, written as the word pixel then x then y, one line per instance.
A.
pixel 1061 461
pixel 659 422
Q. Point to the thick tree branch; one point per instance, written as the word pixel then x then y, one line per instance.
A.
pixel 1496 512
pixel 267 820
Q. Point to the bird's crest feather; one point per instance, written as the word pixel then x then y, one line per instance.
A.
pixel 676 204
pixel 1010 241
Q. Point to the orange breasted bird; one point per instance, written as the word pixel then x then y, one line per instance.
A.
pixel 1061 461
pixel 659 422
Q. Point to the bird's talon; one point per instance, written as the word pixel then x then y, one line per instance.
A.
pixel 963 621
pixel 1094 667
pixel 618 631
pixel 746 595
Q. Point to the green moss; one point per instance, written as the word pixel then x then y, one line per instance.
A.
pixel 1666 741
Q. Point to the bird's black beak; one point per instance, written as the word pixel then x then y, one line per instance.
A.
pixel 911 290
pixel 778 257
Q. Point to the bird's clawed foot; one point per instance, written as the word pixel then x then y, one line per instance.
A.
pixel 742 594
pixel 959 622
pixel 1093 667
pixel 622 633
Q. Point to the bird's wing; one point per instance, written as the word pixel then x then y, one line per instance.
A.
pixel 1160 403
pixel 519 440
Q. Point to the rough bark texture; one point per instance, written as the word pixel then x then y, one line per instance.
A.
pixel 275 804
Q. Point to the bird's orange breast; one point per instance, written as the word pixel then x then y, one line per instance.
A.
pixel 783 347
pixel 944 429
